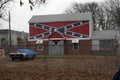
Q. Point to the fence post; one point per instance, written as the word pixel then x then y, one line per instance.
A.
pixel 116 51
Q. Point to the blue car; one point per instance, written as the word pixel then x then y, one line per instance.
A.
pixel 23 54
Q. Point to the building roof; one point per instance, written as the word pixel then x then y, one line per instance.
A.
pixel 108 34
pixel 60 17
pixel 2 31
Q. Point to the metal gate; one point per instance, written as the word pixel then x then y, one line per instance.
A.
pixel 56 47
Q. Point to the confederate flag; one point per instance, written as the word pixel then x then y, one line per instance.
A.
pixel 56 30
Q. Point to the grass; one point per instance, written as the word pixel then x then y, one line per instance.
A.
pixel 73 67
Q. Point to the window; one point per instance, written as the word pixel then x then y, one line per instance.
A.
pixel 40 47
pixel 106 44
pixel 3 41
pixel 75 46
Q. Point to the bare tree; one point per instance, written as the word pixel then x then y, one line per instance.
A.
pixel 113 7
pixel 102 14
pixel 33 3
pixel 86 7
pixel 104 18
pixel 3 7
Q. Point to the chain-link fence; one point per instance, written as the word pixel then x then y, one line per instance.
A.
pixel 83 62
pixel 72 49
pixel 58 50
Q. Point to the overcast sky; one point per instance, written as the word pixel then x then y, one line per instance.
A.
pixel 21 15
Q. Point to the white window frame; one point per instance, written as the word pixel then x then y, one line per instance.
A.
pixel 40 45
pixel 74 42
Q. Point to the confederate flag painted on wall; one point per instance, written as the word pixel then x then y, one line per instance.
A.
pixel 62 30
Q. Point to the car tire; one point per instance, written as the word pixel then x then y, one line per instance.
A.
pixel 13 58
pixel 33 57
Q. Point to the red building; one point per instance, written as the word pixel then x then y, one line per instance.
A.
pixel 61 34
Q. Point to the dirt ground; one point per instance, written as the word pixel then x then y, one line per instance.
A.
pixel 82 67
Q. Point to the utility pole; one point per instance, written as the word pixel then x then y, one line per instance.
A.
pixel 9 32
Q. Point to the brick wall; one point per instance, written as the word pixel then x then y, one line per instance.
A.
pixel 84 47
pixel 32 45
